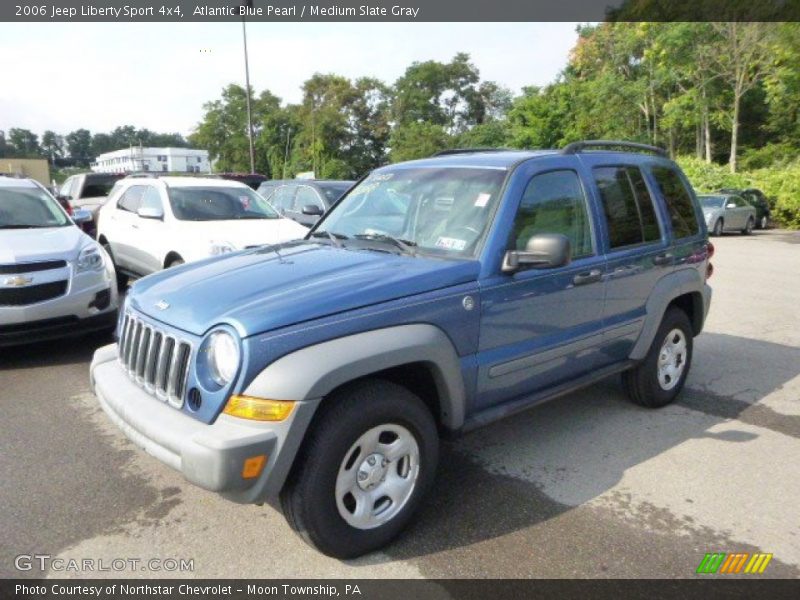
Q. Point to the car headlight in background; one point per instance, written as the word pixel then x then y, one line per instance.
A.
pixel 217 248
pixel 90 259
pixel 222 357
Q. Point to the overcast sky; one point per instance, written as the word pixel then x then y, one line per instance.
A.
pixel 63 76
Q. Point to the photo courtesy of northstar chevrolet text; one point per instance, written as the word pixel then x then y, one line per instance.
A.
pixel 444 299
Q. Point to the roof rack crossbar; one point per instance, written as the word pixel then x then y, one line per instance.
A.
pixel 468 151
pixel 576 147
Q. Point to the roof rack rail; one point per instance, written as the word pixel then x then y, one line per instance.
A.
pixel 468 151
pixel 576 147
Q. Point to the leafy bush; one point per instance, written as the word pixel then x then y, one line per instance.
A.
pixel 780 184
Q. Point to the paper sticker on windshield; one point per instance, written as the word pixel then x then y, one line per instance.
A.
pixel 482 200
pixel 451 243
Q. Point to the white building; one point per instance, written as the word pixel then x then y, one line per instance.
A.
pixel 136 159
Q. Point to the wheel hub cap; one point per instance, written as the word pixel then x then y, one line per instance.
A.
pixel 377 476
pixel 372 471
pixel 672 359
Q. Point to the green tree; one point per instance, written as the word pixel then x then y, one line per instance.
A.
pixel 418 140
pixel 24 142
pixel 52 145
pixel 79 145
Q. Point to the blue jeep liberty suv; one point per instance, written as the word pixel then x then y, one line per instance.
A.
pixel 436 296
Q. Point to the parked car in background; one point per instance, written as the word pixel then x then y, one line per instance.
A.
pixel 727 212
pixel 757 198
pixel 321 372
pixel 251 180
pixel 151 222
pixel 306 200
pixel 88 191
pixel 266 187
pixel 54 280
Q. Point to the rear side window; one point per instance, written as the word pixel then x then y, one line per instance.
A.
pixel 554 203
pixel 627 205
pixel 679 202
pixel 131 199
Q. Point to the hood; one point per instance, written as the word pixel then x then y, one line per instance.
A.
pixel 245 233
pixel 30 245
pixel 261 290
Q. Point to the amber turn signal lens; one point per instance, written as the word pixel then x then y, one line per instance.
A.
pixel 258 409
pixel 253 466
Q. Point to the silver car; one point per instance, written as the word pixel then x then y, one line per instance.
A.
pixel 54 279
pixel 728 212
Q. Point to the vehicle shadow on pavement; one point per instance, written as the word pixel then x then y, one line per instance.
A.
pixel 519 475
pixel 67 351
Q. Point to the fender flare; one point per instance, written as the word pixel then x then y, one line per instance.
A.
pixel 669 287
pixel 313 372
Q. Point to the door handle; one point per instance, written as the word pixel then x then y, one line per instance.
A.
pixel 135 226
pixel 587 277
pixel 663 259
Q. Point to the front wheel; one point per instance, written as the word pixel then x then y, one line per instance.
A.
pixel 659 378
pixel 122 279
pixel 717 231
pixel 369 458
pixel 748 229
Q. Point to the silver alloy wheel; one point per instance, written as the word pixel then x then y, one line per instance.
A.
pixel 377 476
pixel 764 222
pixel 672 359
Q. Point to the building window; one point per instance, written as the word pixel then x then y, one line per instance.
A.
pixel 199 160
pixel 163 167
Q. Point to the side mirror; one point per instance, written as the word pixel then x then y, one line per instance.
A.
pixel 543 251
pixel 150 212
pixel 730 205
pixel 312 210
pixel 81 216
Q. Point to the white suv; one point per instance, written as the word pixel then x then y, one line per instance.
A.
pixel 151 223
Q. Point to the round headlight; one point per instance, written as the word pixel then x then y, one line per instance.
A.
pixel 223 357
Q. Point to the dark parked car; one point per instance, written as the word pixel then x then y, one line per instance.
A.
pixel 756 198
pixel 305 200
pixel 252 180
pixel 320 373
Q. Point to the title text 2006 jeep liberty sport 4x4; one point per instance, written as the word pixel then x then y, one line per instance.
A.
pixel 436 296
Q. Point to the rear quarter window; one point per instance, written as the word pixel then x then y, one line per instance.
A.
pixel 678 200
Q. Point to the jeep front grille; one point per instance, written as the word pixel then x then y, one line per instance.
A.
pixel 154 359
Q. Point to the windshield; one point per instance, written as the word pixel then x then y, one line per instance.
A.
pixel 218 204
pixel 438 210
pixel 712 201
pixel 98 186
pixel 333 191
pixel 27 207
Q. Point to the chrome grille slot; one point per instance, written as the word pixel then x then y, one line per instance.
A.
pixel 154 359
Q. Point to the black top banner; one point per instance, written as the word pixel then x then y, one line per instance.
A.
pixel 398 10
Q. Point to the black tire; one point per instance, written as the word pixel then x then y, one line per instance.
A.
pixel 718 226
pixel 122 279
pixel 309 500
pixel 748 229
pixel 642 382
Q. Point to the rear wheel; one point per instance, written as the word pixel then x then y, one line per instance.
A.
pixel 122 279
pixel 659 378
pixel 366 464
pixel 763 222
pixel 748 229
pixel 717 231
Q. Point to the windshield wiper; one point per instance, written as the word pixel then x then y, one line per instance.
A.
pixel 333 237
pixel 407 246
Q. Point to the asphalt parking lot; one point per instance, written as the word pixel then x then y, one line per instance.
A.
pixel 586 486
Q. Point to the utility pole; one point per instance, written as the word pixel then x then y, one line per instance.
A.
pixel 249 4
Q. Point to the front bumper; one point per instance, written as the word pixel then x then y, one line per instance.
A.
pixel 210 456
pixel 47 329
